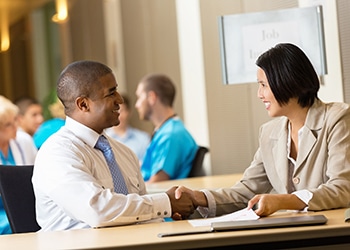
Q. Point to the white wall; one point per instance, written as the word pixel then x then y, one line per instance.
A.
pixel 192 72
pixel 332 86
pixel 224 118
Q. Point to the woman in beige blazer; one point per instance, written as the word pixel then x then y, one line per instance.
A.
pixel 303 159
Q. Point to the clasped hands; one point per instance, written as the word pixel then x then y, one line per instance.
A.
pixel 184 201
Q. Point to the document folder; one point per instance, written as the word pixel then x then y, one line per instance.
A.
pixel 268 222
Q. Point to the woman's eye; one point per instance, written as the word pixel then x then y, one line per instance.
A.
pixel 262 84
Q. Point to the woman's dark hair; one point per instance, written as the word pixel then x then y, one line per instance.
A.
pixel 290 74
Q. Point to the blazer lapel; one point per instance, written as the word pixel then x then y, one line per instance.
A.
pixel 279 152
pixel 308 141
pixel 313 123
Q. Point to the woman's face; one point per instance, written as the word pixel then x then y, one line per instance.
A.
pixel 265 94
pixel 9 129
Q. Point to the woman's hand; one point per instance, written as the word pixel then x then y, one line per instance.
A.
pixel 270 203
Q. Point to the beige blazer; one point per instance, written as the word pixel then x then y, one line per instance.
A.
pixel 322 164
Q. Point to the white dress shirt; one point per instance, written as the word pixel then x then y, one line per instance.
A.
pixel 74 188
pixel 23 149
pixel 304 195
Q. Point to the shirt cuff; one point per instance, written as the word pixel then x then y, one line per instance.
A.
pixel 305 196
pixel 161 205
pixel 209 211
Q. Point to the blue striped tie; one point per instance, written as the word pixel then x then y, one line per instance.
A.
pixel 118 179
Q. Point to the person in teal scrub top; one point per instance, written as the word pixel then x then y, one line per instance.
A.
pixel 172 149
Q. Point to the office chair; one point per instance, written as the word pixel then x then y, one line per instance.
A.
pixel 18 197
pixel 197 165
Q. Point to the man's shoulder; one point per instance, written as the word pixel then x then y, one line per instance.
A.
pixel 62 139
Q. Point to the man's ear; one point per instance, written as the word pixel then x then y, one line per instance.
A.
pixel 152 97
pixel 82 103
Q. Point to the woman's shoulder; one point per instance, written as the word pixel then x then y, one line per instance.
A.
pixel 337 107
pixel 139 133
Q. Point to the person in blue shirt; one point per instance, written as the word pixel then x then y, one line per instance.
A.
pixel 172 148
pixel 50 126
pixel 136 139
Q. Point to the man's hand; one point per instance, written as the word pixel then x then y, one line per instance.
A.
pixel 182 207
pixel 198 197
pixel 176 194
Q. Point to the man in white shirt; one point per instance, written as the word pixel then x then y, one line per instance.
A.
pixel 71 179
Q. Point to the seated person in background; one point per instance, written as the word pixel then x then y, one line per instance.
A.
pixel 50 126
pixel 172 149
pixel 83 178
pixel 135 139
pixel 303 159
pixel 16 148
pixel 30 114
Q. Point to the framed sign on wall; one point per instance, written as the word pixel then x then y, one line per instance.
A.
pixel 243 37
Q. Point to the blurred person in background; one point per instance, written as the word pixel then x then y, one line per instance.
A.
pixel 30 115
pixel 134 138
pixel 172 149
pixel 52 125
pixel 16 148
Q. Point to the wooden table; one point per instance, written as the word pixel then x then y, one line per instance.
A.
pixel 334 235
pixel 207 182
pixel 145 236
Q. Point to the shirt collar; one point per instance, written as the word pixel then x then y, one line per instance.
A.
pixel 83 132
pixel 289 141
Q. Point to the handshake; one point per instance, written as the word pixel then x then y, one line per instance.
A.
pixel 184 201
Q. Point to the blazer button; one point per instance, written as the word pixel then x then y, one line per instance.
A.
pixel 296 180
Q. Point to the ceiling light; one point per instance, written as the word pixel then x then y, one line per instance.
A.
pixel 5 32
pixel 61 11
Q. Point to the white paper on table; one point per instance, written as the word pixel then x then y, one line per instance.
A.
pixel 243 214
